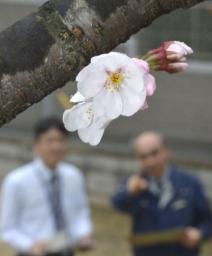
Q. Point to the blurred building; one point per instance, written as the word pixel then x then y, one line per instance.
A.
pixel 181 107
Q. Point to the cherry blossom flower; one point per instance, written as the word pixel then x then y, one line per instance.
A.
pixel 83 119
pixel 122 79
pixel 115 83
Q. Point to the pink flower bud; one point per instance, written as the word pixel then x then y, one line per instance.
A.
pixel 169 57
pixel 178 47
pixel 157 54
pixel 176 57
pixel 177 67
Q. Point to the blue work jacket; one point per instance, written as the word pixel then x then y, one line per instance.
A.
pixel 188 207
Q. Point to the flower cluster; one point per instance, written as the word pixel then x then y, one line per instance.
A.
pixel 114 85
pixel 169 57
pixel 110 86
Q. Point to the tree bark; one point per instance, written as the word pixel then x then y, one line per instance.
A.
pixel 44 50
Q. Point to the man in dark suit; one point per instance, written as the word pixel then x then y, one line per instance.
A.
pixel 165 201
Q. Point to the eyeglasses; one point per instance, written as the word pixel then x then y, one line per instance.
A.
pixel 152 153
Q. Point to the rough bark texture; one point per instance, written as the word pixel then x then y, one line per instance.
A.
pixel 44 50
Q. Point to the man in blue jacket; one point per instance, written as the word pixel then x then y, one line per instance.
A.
pixel 165 201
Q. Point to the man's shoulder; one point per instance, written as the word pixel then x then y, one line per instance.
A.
pixel 20 174
pixel 185 176
pixel 70 170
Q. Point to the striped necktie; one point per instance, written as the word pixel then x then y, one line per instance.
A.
pixel 55 201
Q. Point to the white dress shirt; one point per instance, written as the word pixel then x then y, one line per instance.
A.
pixel 26 214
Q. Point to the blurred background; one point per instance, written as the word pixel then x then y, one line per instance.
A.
pixel 180 109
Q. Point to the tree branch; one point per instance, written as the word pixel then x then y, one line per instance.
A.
pixel 44 50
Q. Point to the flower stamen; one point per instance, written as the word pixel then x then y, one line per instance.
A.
pixel 89 113
pixel 114 81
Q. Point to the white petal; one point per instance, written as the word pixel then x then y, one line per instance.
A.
pixel 91 80
pixel 101 122
pixel 132 101
pixel 112 61
pixel 83 73
pixel 95 131
pixel 119 60
pixel 77 97
pixel 134 77
pixel 108 102
pixel 97 58
pixel 91 135
pixel 76 117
